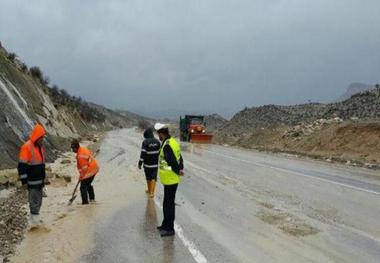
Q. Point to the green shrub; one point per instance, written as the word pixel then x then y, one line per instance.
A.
pixel 24 67
pixel 12 57
pixel 61 97
pixel 36 73
pixel 45 81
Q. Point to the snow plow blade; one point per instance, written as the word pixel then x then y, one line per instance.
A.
pixel 201 138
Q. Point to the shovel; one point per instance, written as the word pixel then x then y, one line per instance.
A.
pixel 74 194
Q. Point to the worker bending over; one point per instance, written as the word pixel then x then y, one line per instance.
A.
pixel 31 170
pixel 170 169
pixel 88 168
pixel 150 150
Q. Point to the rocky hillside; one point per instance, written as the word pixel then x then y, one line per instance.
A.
pixel 214 122
pixel 364 106
pixel 347 130
pixel 27 98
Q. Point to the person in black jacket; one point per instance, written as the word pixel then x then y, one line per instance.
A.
pixel 31 170
pixel 150 151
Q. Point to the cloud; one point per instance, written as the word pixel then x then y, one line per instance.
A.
pixel 169 56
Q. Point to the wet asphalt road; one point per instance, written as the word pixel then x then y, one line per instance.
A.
pixel 236 206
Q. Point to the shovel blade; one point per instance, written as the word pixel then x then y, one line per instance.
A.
pixel 72 199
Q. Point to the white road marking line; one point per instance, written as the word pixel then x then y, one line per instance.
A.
pixel 194 251
pixel 297 173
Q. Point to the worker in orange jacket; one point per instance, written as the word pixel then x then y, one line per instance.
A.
pixel 31 169
pixel 88 168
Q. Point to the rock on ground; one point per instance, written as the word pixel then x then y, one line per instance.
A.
pixel 13 222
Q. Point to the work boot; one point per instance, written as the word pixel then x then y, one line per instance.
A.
pixel 35 220
pixel 152 188
pixel 165 233
pixel 148 187
pixel 32 220
pixel 39 219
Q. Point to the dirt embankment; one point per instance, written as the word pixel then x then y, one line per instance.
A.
pixel 350 141
pixel 355 143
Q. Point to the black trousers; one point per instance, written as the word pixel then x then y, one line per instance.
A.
pixel 35 200
pixel 151 174
pixel 87 190
pixel 169 207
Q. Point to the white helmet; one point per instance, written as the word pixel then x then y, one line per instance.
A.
pixel 158 126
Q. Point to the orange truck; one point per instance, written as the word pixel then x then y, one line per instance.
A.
pixel 192 129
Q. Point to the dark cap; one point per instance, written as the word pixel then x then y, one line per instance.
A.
pixel 75 144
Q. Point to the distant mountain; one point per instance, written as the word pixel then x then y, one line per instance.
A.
pixel 119 118
pixel 355 88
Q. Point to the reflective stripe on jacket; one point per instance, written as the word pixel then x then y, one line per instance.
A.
pixel 150 150
pixel 167 175
pixel 86 163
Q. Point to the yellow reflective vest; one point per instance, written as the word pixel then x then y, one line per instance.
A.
pixel 167 175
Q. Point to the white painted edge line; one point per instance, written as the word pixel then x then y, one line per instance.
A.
pixel 194 251
pixel 297 173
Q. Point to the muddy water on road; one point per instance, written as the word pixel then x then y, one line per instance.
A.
pixel 127 231
pixel 119 227
pixel 63 236
pixel 233 205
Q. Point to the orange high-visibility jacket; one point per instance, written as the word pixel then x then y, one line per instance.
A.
pixel 31 166
pixel 86 164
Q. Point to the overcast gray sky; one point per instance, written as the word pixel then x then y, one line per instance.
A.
pixel 165 57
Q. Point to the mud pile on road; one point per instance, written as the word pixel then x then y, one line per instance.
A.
pixel 345 131
pixel 13 221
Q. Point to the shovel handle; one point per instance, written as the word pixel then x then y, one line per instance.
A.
pixel 76 187
pixel 73 195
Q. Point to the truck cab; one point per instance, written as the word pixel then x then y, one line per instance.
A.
pixel 193 129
